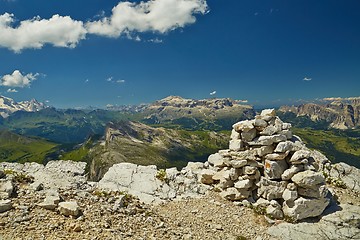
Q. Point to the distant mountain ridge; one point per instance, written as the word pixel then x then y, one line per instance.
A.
pixel 339 113
pixel 214 113
pixel 9 106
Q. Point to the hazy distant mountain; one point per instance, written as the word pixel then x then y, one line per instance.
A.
pixel 9 106
pixel 337 112
pixel 216 113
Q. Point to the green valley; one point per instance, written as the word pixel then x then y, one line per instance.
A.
pixel 17 148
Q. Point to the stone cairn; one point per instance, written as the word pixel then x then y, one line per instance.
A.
pixel 270 169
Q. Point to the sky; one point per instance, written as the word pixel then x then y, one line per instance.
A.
pixel 96 52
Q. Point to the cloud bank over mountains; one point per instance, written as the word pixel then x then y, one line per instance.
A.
pixel 157 16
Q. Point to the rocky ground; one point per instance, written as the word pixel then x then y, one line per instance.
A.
pixel 106 215
pixel 209 217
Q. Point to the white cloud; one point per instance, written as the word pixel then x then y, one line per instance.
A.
pixel 17 79
pixel 242 101
pixel 155 40
pixel 86 80
pixel 109 79
pixel 120 81
pixel 213 93
pixel 11 90
pixel 307 79
pixel 58 31
pixel 158 16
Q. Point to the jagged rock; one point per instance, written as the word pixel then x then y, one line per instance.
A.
pixel 320 160
pixel 341 225
pixel 234 135
pixel 267 140
pixel 234 194
pixel 269 130
pixel 234 173
pixel 264 150
pixel 348 175
pixel 317 191
pixel 153 186
pixel 37 186
pixel 2 174
pixel 303 208
pixel 250 170
pixel 51 200
pixel 6 188
pixel 290 172
pixel 206 176
pixel 236 145
pixel 268 112
pixel 223 174
pixel 243 126
pixel 261 203
pixel 260 123
pixel 271 189
pixel 216 160
pixel 243 184
pixel 274 169
pixel 56 174
pixel 69 209
pixel 300 154
pixel 284 147
pixel 248 135
pixel 247 154
pixel 5 205
pixel 289 195
pixel 277 156
pixel 238 163
pixel 274 210
pixel 262 141
pixel 308 179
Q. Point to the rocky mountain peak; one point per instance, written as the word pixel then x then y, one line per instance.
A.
pixel 9 106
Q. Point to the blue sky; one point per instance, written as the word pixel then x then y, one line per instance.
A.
pixel 77 54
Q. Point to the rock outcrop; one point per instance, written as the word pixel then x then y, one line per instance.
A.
pixel 341 225
pixel 339 113
pixel 266 163
pixel 152 185
pixel 344 175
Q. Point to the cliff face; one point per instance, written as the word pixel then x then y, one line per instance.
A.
pixel 341 114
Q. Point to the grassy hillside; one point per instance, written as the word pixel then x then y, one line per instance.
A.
pixel 338 146
pixel 17 148
pixel 145 145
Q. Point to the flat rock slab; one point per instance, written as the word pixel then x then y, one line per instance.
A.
pixel 338 225
pixel 56 174
pixel 137 180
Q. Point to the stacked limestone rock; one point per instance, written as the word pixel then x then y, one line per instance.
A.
pixel 269 167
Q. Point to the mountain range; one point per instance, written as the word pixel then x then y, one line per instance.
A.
pixel 337 112
pixel 141 133
pixel 9 106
